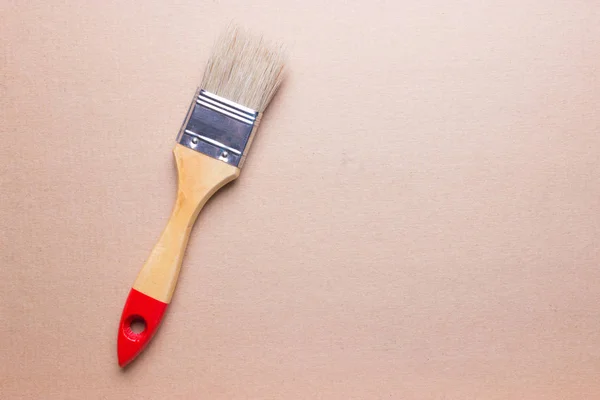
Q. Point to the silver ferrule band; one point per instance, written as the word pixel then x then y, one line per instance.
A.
pixel 219 128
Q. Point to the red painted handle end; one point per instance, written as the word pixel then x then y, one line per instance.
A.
pixel 145 310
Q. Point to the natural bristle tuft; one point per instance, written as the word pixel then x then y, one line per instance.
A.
pixel 245 69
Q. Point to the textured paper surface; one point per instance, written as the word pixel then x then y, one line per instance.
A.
pixel 418 218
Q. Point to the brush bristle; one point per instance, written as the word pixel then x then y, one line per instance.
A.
pixel 245 69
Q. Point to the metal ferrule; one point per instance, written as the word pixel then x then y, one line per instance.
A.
pixel 219 128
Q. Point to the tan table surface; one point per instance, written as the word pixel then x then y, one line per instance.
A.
pixel 419 217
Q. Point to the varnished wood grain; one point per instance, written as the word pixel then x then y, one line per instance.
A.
pixel 199 177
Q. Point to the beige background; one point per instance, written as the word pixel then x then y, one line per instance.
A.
pixel 419 217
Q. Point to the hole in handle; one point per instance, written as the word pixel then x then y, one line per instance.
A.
pixel 135 327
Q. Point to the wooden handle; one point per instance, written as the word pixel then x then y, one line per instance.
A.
pixel 199 177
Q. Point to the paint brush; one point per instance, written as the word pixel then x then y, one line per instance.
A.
pixel 241 77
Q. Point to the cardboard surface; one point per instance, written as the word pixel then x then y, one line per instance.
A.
pixel 418 218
